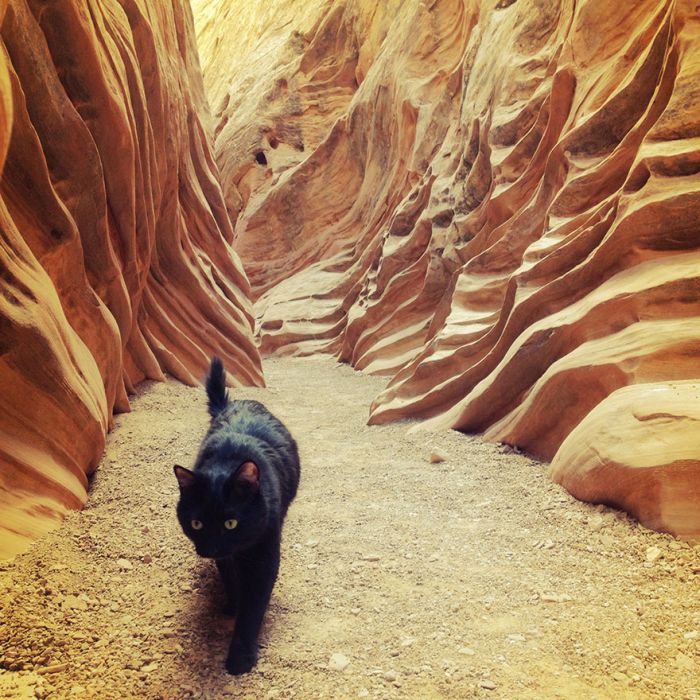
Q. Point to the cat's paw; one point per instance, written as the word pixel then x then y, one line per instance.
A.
pixel 241 663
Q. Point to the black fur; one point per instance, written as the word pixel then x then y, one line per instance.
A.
pixel 247 470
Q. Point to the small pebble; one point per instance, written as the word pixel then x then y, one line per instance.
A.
pixel 338 662
pixel 54 668
pixel 124 564
pixel 390 676
pixel 653 553
pixel 555 598
pixel 596 523
pixel 437 456
pixel 487 684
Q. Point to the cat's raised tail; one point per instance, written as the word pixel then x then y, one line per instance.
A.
pixel 216 387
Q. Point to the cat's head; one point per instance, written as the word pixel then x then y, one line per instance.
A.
pixel 220 512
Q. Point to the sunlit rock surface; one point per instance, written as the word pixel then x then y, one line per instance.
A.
pixel 115 245
pixel 495 204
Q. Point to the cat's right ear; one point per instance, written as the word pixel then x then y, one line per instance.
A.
pixel 184 477
pixel 246 479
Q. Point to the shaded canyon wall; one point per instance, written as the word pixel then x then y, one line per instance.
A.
pixel 115 245
pixel 493 203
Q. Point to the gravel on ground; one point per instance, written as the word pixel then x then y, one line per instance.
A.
pixel 415 565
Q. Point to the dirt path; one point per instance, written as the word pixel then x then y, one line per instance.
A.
pixel 474 577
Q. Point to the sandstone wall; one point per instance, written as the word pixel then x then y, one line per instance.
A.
pixel 494 203
pixel 115 245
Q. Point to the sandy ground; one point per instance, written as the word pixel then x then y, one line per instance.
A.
pixel 473 577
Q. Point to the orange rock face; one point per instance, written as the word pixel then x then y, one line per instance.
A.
pixel 496 205
pixel 115 245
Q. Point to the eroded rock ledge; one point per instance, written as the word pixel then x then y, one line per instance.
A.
pixel 115 245
pixel 494 204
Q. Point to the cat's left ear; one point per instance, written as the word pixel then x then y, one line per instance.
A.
pixel 246 480
pixel 184 477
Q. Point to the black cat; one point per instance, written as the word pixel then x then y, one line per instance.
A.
pixel 232 506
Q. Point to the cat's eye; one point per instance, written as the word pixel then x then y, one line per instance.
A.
pixel 197 524
pixel 230 524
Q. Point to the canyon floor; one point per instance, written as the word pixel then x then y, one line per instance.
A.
pixel 471 577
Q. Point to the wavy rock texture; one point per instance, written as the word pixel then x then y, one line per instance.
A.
pixel 496 205
pixel 115 260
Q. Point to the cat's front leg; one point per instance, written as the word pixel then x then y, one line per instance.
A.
pixel 229 577
pixel 257 575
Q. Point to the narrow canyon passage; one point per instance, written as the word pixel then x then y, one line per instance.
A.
pixel 472 577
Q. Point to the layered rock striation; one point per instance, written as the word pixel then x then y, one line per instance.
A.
pixel 493 203
pixel 115 245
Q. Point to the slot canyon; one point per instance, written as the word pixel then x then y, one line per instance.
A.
pixel 457 240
